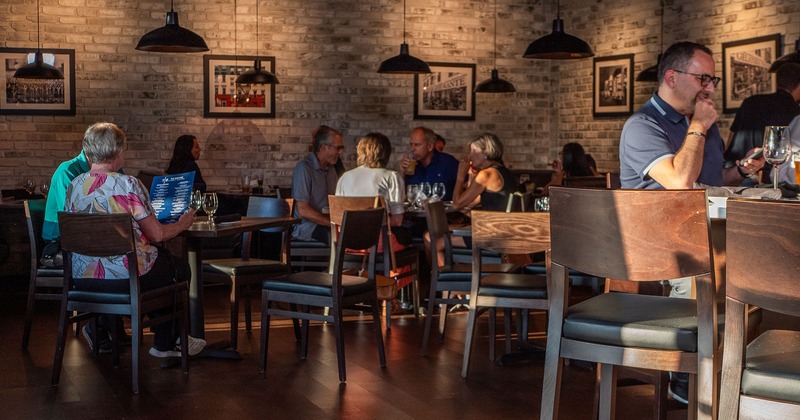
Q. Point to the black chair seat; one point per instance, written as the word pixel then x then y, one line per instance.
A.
pixel 462 273
pixel 516 286
pixel 239 267
pixel 296 243
pixel 318 284
pixel 630 320
pixel 773 366
pixel 50 272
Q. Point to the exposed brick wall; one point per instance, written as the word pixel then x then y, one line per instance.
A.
pixel 327 53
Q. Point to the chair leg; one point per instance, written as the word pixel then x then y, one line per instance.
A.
pixel 234 298
pixel 492 333
pixel 184 302
pixel 265 316
pixel 508 316
pixel 471 321
pixel 388 306
pixel 26 330
pixel 608 391
pixel 443 315
pixel 376 326
pixel 415 285
pixel 135 345
pixel 428 320
pixel 61 341
pixel 295 323
pixel 339 336
pixel 660 393
pixel 304 335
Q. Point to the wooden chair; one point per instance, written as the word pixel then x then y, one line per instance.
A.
pixel 360 229
pixel 106 235
pixel 312 255
pixel 386 262
pixel 762 379
pixel 506 233
pixel 636 235
pixel 245 274
pixel 451 277
pixel 45 283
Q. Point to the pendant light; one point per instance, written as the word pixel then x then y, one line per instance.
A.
pixel 650 74
pixel 404 63
pixel 495 84
pixel 171 38
pixel 38 69
pixel 558 45
pixel 257 75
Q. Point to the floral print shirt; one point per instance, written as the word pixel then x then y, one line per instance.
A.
pixel 111 193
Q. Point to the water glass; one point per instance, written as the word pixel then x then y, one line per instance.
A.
pixel 210 204
pixel 44 188
pixel 197 200
pixel 29 186
pixel 541 204
pixel 777 148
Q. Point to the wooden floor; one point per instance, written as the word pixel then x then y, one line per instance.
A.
pixel 410 387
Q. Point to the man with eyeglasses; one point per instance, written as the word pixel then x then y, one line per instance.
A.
pixel 673 142
pixel 759 111
pixel 312 180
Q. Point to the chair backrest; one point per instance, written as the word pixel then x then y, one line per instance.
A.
pixel 639 235
pixel 268 207
pixel 517 196
pixel 339 204
pixel 147 175
pixel 510 233
pixel 360 229
pixel 438 228
pixel 34 217
pixel 586 181
pixel 763 245
pixel 612 181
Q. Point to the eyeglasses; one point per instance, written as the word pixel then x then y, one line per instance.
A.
pixel 705 79
pixel 339 148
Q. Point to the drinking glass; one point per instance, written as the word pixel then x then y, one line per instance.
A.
pixel 197 200
pixel 29 186
pixel 424 193
pixel 439 189
pixel 541 204
pixel 412 191
pixel 777 148
pixel 210 204
pixel 44 188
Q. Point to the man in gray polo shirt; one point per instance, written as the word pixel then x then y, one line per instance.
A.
pixel 313 179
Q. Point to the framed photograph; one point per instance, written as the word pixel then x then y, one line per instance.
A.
pixel 613 86
pixel 33 96
pixel 445 94
pixel 745 69
pixel 223 98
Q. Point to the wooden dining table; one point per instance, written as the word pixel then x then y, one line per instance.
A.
pixel 194 235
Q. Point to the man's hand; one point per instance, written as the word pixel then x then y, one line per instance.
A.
pixel 404 163
pixel 751 166
pixel 705 113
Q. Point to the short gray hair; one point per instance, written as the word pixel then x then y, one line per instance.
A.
pixel 103 142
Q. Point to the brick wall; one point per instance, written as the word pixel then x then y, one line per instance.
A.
pixel 326 56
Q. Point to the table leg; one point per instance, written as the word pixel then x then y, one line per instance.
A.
pixel 196 315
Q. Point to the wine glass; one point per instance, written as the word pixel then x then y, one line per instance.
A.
pixel 210 204
pixel 424 193
pixel 44 188
pixel 197 200
pixel 412 191
pixel 29 186
pixel 438 190
pixel 777 148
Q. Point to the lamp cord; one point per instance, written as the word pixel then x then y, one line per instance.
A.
pixel 257 30
pixel 661 40
pixel 495 34
pixel 404 21
pixel 38 34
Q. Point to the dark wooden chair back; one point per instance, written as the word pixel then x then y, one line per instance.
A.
pixel 339 204
pixel 585 181
pixel 34 217
pixel 637 235
pixel 96 235
pixel 764 275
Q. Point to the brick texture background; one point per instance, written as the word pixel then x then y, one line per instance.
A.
pixel 327 54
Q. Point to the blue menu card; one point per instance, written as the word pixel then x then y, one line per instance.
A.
pixel 171 196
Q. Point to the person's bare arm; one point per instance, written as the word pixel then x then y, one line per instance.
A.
pixel 682 170
pixel 158 232
pixel 483 179
pixel 305 211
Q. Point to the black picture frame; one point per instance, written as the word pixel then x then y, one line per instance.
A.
pixel 41 97
pixel 612 86
pixel 745 69
pixel 219 100
pixel 447 93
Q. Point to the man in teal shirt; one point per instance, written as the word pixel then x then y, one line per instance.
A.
pixel 64 174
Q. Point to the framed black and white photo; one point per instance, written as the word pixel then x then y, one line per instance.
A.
pixel 745 69
pixel 613 86
pixel 445 94
pixel 223 98
pixel 37 96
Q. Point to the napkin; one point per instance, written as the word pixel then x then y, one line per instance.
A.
pixel 749 192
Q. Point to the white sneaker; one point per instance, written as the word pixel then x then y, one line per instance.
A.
pixel 196 345
pixel 164 354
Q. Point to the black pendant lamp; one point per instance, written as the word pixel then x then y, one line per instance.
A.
pixel 257 75
pixel 495 84
pixel 404 63
pixel 650 74
pixel 171 38
pixel 559 45
pixel 38 69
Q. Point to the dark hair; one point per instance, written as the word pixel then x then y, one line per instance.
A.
pixel 441 139
pixel 181 154
pixel 324 135
pixel 788 76
pixel 678 56
pixel 575 160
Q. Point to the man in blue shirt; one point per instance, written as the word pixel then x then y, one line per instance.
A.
pixel 673 141
pixel 312 180
pixel 431 165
